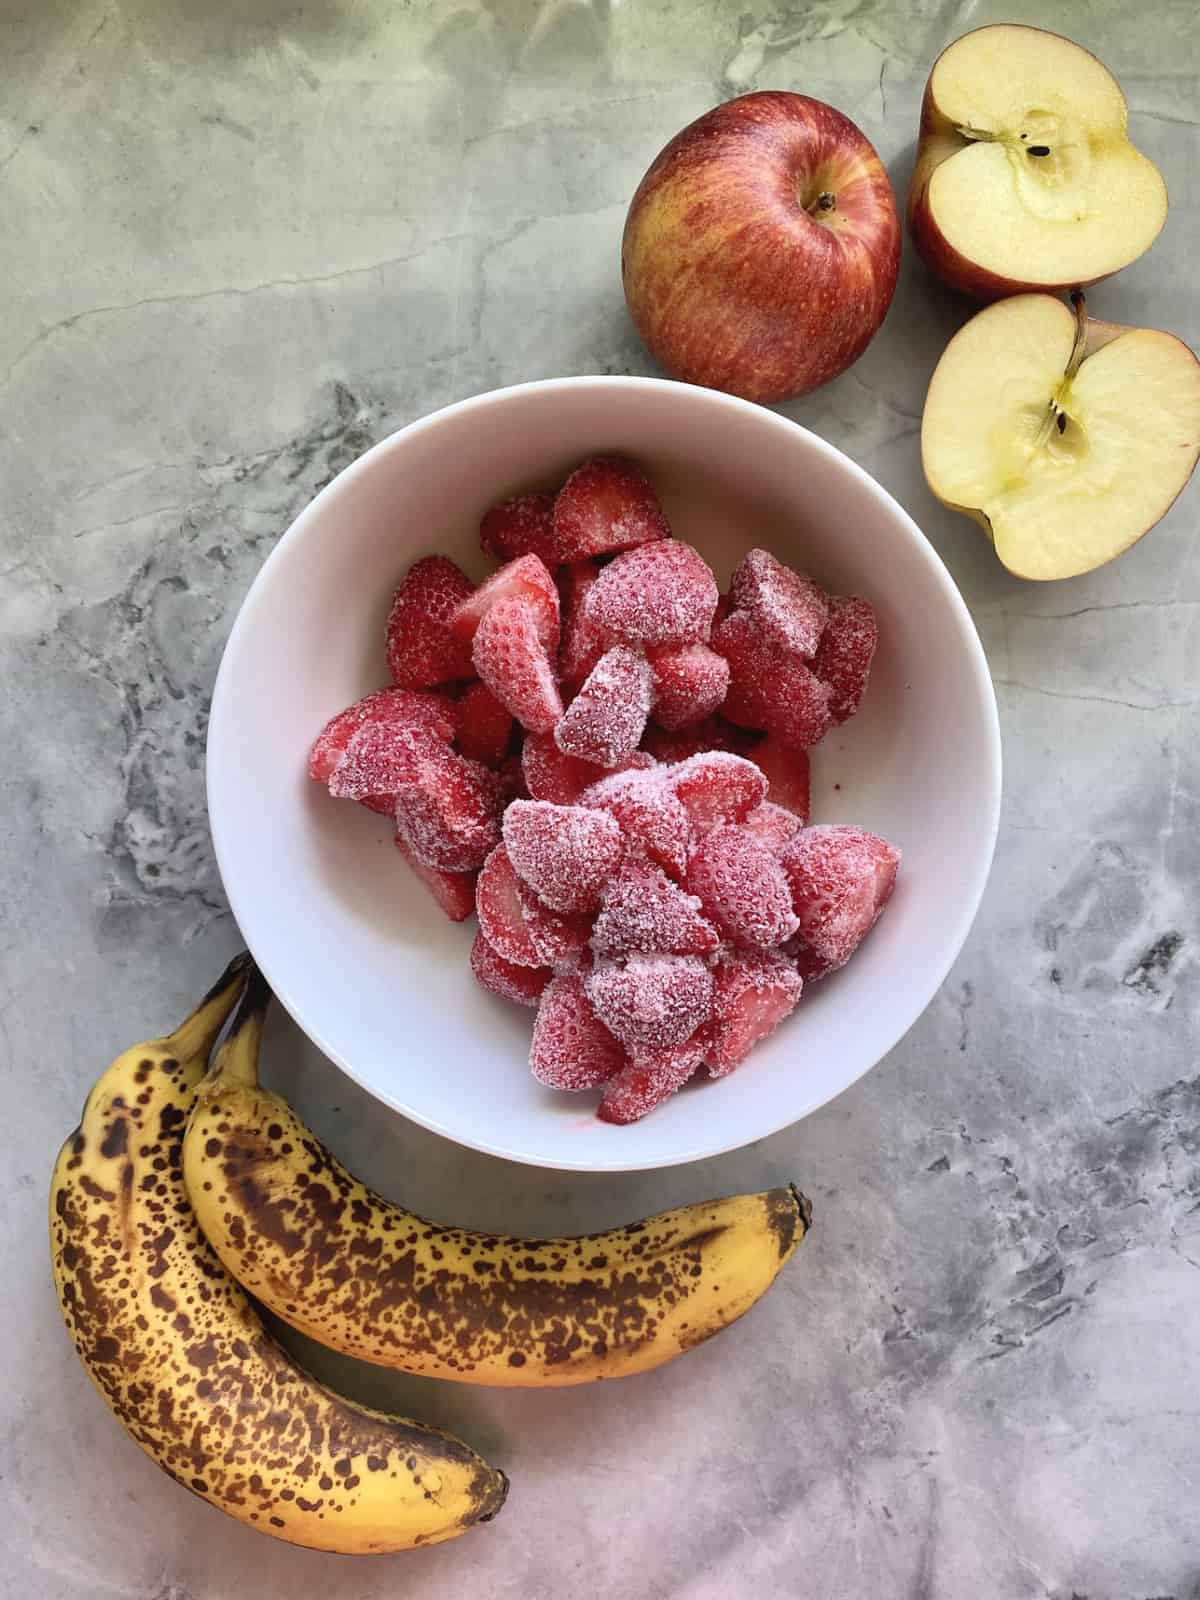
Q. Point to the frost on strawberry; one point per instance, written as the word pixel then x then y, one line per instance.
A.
pixel 607 717
pixel 650 1077
pixel 660 594
pixel 743 888
pixel 657 1000
pixel 422 650
pixel 520 526
pixel 841 878
pixel 642 910
pixel 405 708
pixel 528 579
pixel 511 659
pixel 517 924
pixel 652 817
pixel 690 683
pixel 752 994
pixel 565 854
pixel 448 809
pixel 788 608
pixel 583 641
pixel 773 826
pixel 522 985
pixel 718 787
pixel 847 649
pixel 572 1049
pixel 607 504
pixel 769 688
pixel 454 892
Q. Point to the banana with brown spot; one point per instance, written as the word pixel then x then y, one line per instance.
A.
pixel 364 1276
pixel 175 1348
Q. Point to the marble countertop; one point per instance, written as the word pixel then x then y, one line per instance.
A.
pixel 241 243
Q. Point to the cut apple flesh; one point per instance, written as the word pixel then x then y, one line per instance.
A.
pixel 1065 462
pixel 1034 175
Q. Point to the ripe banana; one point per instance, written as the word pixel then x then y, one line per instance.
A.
pixel 369 1278
pixel 183 1360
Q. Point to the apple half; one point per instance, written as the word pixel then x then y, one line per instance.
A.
pixel 1066 438
pixel 1025 177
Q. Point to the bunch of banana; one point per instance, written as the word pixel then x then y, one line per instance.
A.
pixel 366 1277
pixel 175 1348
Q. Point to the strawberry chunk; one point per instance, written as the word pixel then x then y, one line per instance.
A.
pixel 607 717
pixel 583 641
pixel 572 1049
pixel 752 994
pixel 381 759
pixel 650 1077
pixel 528 579
pixel 421 648
pixel 564 853
pixel 511 659
pixel 607 504
pixel 522 985
pixel 448 809
pixel 521 526
pixel 811 967
pixel 789 609
pixel 406 707
pixel 550 774
pixel 483 726
pixel 642 910
pixel 655 1000
pixel 787 773
pixel 690 682
pixel 519 926
pixel 743 888
pixel 714 733
pixel 662 593
pixel 453 891
pixel 718 787
pixel 652 817
pixel 841 878
pixel 773 826
pixel 770 688
pixel 847 649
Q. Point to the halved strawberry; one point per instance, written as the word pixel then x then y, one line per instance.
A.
pixel 652 818
pixel 453 891
pixel 660 594
pixel 743 888
pixel 483 726
pixel 690 682
pixel 770 688
pixel 572 1049
pixel 521 526
pixel 519 926
pixel 841 878
pixel 752 994
pixel 657 1000
pixel 773 826
pixel 421 649
pixel 511 659
pixel 522 985
pixel 643 910
pixel 718 787
pixel 528 579
pixel 583 641
pixel 846 652
pixel 607 504
pixel 448 809
pixel 406 707
pixel 789 609
pixel 607 717
pixel 565 854
pixel 650 1077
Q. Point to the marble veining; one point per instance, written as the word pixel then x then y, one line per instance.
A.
pixel 240 245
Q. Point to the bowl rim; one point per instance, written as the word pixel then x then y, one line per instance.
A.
pixel 921 996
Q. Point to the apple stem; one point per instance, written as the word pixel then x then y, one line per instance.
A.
pixel 1077 349
pixel 825 201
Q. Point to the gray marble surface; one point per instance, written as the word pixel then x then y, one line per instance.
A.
pixel 240 243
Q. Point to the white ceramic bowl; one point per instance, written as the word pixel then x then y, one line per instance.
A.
pixel 364 961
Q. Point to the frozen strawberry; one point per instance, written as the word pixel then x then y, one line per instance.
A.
pixel 528 579
pixel 448 809
pixel 743 888
pixel 718 787
pixel 583 641
pixel 662 593
pixel 846 652
pixel 453 891
pixel 652 999
pixel 773 826
pixel 379 760
pixel 517 924
pixel 512 779
pixel 572 1049
pixel 724 607
pixel 752 994
pixel 522 526
pixel 650 1077
pixel 811 967
pixel 770 688
pixel 690 681
pixel 564 853
pixel 523 985
pixel 643 910
pixel 790 610
pixel 511 659
pixel 841 878
pixel 406 707
pixel 552 775
pixel 483 726
pixel 607 504
pixel 607 717
pixel 714 733
pixel 421 649
pixel 652 817
pixel 787 773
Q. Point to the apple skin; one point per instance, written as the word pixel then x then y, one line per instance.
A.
pixel 729 280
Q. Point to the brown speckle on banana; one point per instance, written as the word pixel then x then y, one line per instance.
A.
pixel 183 1360
pixel 371 1279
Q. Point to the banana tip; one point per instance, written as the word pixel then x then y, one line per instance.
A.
pixel 803 1206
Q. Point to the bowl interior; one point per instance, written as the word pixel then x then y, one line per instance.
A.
pixel 354 949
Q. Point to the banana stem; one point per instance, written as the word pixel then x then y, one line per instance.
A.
pixel 197 1033
pixel 237 1059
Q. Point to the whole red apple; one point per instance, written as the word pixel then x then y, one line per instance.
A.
pixel 761 248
